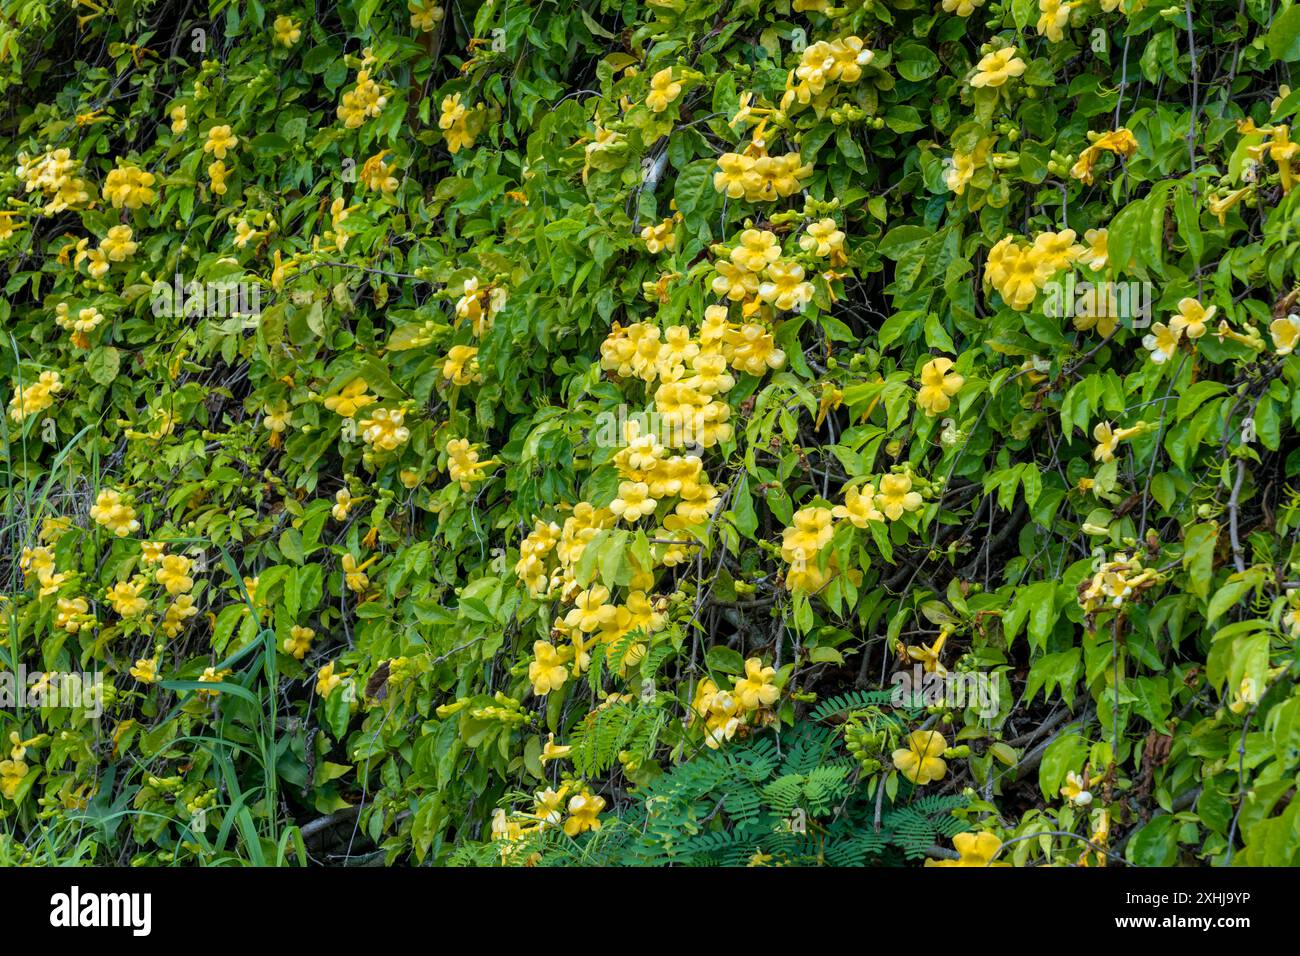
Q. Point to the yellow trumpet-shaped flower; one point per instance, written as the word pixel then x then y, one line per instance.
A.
pixel 921 761
pixel 974 849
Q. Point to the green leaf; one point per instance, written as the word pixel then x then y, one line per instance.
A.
pixel 1283 38
pixel 724 660
pixel 1155 844
pixel 102 365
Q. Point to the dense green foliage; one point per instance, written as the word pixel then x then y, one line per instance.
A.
pixel 372 564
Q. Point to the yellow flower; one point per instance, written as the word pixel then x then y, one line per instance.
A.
pixel 963 8
pixel 73 614
pixel 547 671
pixel 975 849
pixel 298 643
pixel 583 811
pixel 217 172
pixel 425 14
pixel 364 101
pixel 938 385
pixel 998 67
pixel 117 244
pixel 12 773
pixel 351 399
pixel 180 611
pixel 553 751
pixel 354 574
pixel 277 418
pixel 174 574
pixel 287 31
pixel 7 225
pixel 1076 790
pixel 660 238
pixel 125 598
pixel 922 761
pixel 758 687
pixel 1018 270
pixel 1107 442
pixel 37 561
pixel 461 366
pixel 1286 333
pixel 1121 142
pixel 548 806
pixel 633 502
pixel 35 397
pixel 463 464
pixel 453 111
pixel 662 90
pixel 211 675
pixel 1162 343
pixel 343 502
pixel 384 430
pixel 179 122
pixel 377 176
pixel 1054 17
pixel 1192 318
pixel 896 496
pixel 591 610
pixel 455 122
pixel 1057 249
pixel 1281 150
pixel 1096 251
pixel 113 513
pixel 733 170
pixel 152 551
pixel 734 281
pixel 1245 696
pixel 327 680
pixel 810 532
pixel 928 655
pixel 220 140
pixel 145 670
pixel 824 239
pixel 244 234
pixel 751 348
pixel 859 506
pixel 129 186
pixel 1108 439
pixel 786 288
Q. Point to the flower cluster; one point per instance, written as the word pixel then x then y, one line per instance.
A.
pixel 459 124
pixel 365 100
pixel 54 174
pixel 1120 142
pixel 692 370
pixel 1115 583
pixel 130 187
pixel 721 713
pixel 822 63
pixel 755 176
pixel 111 511
pixel 384 429
pixel 37 397
pixel 463 465
pixel 754 271
pixel 811 528
pixel 1019 269
pixel 79 326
